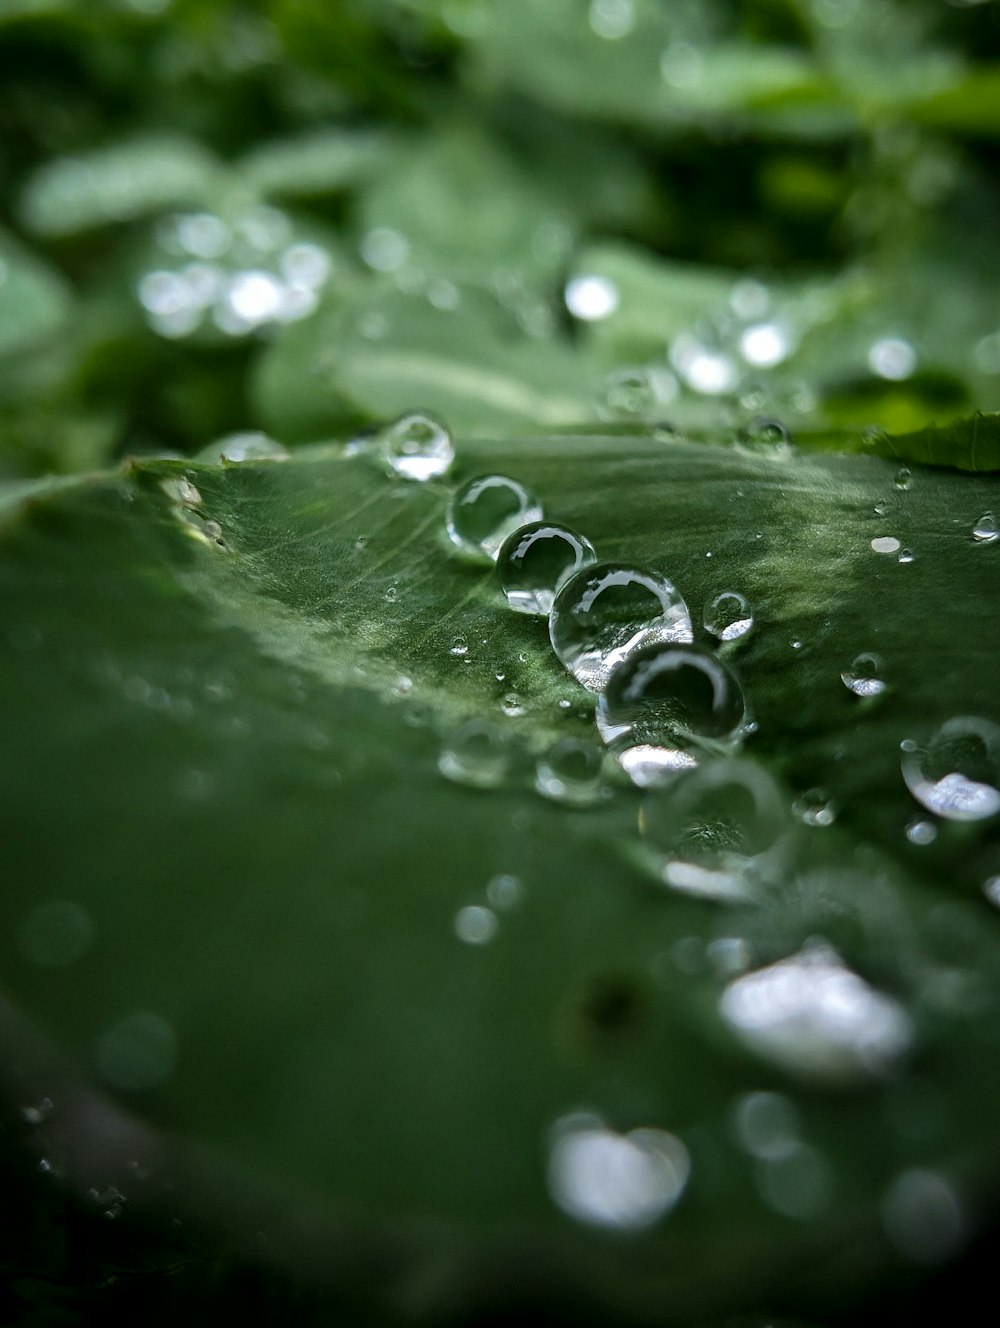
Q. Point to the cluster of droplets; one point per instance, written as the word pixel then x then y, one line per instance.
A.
pixel 234 275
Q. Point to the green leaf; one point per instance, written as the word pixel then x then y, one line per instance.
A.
pixel 135 179
pixel 324 161
pixel 243 931
pixel 34 299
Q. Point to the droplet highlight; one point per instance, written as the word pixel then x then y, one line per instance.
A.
pixel 485 510
pixel 728 616
pixel 956 775
pixel 864 677
pixel 417 447
pixel 535 560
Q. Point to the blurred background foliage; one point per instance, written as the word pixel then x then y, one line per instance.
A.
pixel 303 217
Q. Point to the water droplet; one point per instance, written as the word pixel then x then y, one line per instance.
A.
pixel 714 831
pixel 476 925
pixel 417 447
pixel 765 345
pixel 766 435
pixel 728 616
pixel 813 1015
pixel 664 699
pixel 181 490
pixel 795 643
pixel 882 508
pixel 512 705
pixel 504 891
pixel 604 1179
pixel 766 1125
pixel 55 934
pixel 864 677
pixel 459 646
pixel 991 889
pixel 570 772
pixel 921 833
pixel 985 529
pixel 484 511
pixel 384 249
pixel 637 392
pixel 885 544
pixel 815 807
pixel 892 358
pixel 591 298
pixel 957 774
pixel 604 612
pixel 476 754
pixel 535 560
pixel 903 478
pixel 237 447
pixel 38 1112
pixel 391 594
pixel 704 368
pixel 923 1216
pixel 905 556
pixel 612 19
pixel 138 1051
pixel 799 1184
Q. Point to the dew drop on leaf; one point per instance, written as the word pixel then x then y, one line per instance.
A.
pixel 485 510
pixel 728 616
pixel 985 529
pixel 885 544
pixel 605 611
pixel 534 561
pixel 570 772
pixel 416 447
pixel 476 925
pixel 477 754
pixel 903 478
pixel 956 775
pixel 864 677
pixel 815 808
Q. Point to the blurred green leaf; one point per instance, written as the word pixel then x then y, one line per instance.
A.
pixel 35 300
pixel 323 161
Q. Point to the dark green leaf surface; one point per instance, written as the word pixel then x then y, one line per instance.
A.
pixel 272 864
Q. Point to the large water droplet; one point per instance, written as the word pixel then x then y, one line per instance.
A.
pixel 715 830
pixel 957 774
pixel 417 447
pixel 476 754
pixel 864 677
pixel 485 510
pixel 535 560
pixel 236 447
pixel 570 772
pixel 728 616
pixel 662 701
pixel 604 612
pixel 813 1015
pixel 605 1179
pixel 985 529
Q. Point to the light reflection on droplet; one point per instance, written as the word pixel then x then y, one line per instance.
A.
pixel 985 530
pixel 864 677
pixel 765 345
pixel 885 544
pixel 921 832
pixel 612 19
pixel 591 298
pixel 504 891
pixel 476 925
pixel 604 1179
pixel 957 773
pixel 705 369
pixel 892 358
pixel 811 1014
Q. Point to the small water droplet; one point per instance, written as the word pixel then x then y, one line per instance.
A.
pixel 535 560
pixel 766 1125
pixel 239 447
pixel 459 646
pixel 384 249
pixel 885 544
pixel 636 392
pixel 504 891
pixel 813 1015
pixel 921 832
pixel 604 1179
pixel 485 510
pixel 591 298
pixel 892 358
pixel 476 925
pixel 570 772
pixel 991 889
pixel 391 594
pixel 864 677
pixel 766 435
pixel 903 478
pixel 985 529
pixel 714 831
pixel 815 807
pixel 476 754
pixel 512 705
pixel 957 774
pixel 905 556
pixel 416 447
pixel 728 616
pixel 604 612
pixel 181 490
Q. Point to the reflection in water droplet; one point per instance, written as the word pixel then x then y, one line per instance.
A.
pixel 664 699
pixel 591 298
pixel 535 560
pixel 715 831
pixel 476 754
pixel 923 1216
pixel 476 925
pixel 766 436
pixel 504 891
pixel 864 677
pixel 138 1051
pixel 921 832
pixel 604 1179
pixel 815 807
pixel 636 392
pixel 766 1124
pixel 237 447
pixel 813 1015
pixel 55 934
pixel 903 477
pixel 795 643
pixel 985 529
pixel 604 612
pixel 570 772
pixel 459 646
pixel 485 510
pixel 885 544
pixel 957 774
pixel 728 616
pixel 417 447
